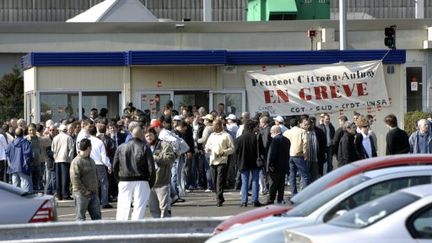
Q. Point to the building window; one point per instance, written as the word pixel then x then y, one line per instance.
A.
pixel 58 106
pixel 234 102
pixel 108 100
pixel 28 111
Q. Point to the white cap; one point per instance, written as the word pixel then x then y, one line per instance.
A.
pixel 279 119
pixel 231 117
pixel 177 118
pixel 62 127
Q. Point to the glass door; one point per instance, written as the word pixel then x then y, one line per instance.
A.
pixel 414 88
pixel 190 98
pixel 154 102
pixel 234 101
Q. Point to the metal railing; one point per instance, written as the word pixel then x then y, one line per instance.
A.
pixel 178 229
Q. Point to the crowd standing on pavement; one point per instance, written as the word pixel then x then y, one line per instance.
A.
pixel 136 161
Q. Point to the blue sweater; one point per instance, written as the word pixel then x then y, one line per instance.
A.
pixel 19 154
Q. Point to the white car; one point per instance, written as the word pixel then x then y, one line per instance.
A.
pixel 324 206
pixel 403 216
pixel 18 206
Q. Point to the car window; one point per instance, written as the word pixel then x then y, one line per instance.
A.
pixel 375 191
pixel 374 211
pixel 321 184
pixel 422 224
pixel 319 199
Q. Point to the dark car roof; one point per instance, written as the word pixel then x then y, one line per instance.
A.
pixel 384 162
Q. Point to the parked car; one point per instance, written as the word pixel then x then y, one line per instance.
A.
pixel 325 182
pixel 18 206
pixel 403 216
pixel 328 204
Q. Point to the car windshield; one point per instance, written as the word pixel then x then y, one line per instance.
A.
pixel 321 184
pixel 374 211
pixel 319 199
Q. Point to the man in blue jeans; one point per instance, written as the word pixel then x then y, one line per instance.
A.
pixel 99 156
pixel 85 183
pixel 298 155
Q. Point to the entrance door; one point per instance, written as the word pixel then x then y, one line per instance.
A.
pixel 154 102
pixel 190 98
pixel 414 88
pixel 234 101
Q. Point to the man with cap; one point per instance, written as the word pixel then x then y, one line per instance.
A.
pixel 134 168
pixel 176 120
pixel 85 183
pixel 208 123
pixel 280 122
pixel 231 125
pixel 174 141
pixel 63 149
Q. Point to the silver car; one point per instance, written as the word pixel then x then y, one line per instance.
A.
pixel 330 203
pixel 18 206
pixel 403 216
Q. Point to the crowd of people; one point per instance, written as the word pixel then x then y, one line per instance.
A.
pixel 138 161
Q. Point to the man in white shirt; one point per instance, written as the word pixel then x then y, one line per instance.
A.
pixel 280 122
pixel 83 133
pixel 3 145
pixel 98 154
pixel 245 116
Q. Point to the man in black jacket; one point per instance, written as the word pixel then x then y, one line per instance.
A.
pixel 347 152
pixel 264 133
pixel 338 134
pixel 329 132
pixel 317 149
pixel 396 139
pixel 134 168
pixel 277 164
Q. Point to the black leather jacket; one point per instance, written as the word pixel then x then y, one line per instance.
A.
pixel 133 161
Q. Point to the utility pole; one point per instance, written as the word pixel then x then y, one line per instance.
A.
pixel 342 25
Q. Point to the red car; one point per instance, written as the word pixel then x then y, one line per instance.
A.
pixel 323 183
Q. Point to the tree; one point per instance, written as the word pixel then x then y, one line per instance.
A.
pixel 12 95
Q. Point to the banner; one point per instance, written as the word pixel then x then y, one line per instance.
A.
pixel 309 89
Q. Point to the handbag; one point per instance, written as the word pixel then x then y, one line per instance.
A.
pixel 259 160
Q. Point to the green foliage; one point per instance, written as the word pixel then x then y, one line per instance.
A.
pixel 411 118
pixel 11 95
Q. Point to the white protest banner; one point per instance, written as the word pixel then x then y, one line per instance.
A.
pixel 309 89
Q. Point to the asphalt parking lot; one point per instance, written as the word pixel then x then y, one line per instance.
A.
pixel 197 203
